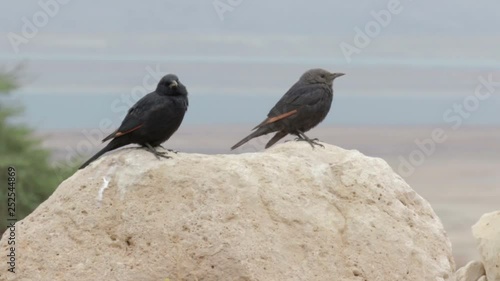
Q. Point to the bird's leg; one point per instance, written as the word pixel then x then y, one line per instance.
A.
pixel 171 150
pixel 155 152
pixel 312 142
pixel 308 139
pixel 299 137
pixel 168 149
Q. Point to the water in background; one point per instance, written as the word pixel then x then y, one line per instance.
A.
pixel 86 111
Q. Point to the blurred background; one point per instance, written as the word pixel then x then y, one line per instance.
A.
pixel 415 70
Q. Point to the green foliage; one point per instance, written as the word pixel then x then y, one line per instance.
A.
pixel 36 178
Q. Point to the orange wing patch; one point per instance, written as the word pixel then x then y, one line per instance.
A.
pixel 276 118
pixel 279 117
pixel 119 134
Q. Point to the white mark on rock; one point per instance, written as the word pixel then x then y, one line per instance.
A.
pixel 105 182
pixel 104 185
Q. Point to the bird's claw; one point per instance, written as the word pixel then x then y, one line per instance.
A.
pixel 168 149
pixel 316 142
pixel 159 154
pixel 172 150
pixel 312 142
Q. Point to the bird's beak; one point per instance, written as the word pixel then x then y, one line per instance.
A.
pixel 335 75
pixel 174 84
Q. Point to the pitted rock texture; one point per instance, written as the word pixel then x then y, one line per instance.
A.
pixel 288 213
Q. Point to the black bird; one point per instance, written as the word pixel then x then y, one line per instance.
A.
pixel 152 120
pixel 303 107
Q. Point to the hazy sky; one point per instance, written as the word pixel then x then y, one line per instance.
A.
pixel 424 53
pixel 261 17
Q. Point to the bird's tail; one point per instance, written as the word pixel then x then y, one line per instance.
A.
pixel 279 135
pixel 261 131
pixel 114 144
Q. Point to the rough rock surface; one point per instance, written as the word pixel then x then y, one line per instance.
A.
pixel 473 271
pixel 289 213
pixel 487 233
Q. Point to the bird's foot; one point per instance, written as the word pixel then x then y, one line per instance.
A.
pixel 158 154
pixel 302 137
pixel 171 150
pixel 168 149
pixel 312 142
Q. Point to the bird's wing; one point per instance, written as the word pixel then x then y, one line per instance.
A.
pixel 297 97
pixel 134 118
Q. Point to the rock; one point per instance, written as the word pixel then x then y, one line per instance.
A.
pixel 487 234
pixel 482 278
pixel 288 213
pixel 470 272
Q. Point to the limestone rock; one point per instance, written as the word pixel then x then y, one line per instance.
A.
pixel 288 213
pixel 472 271
pixel 487 234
